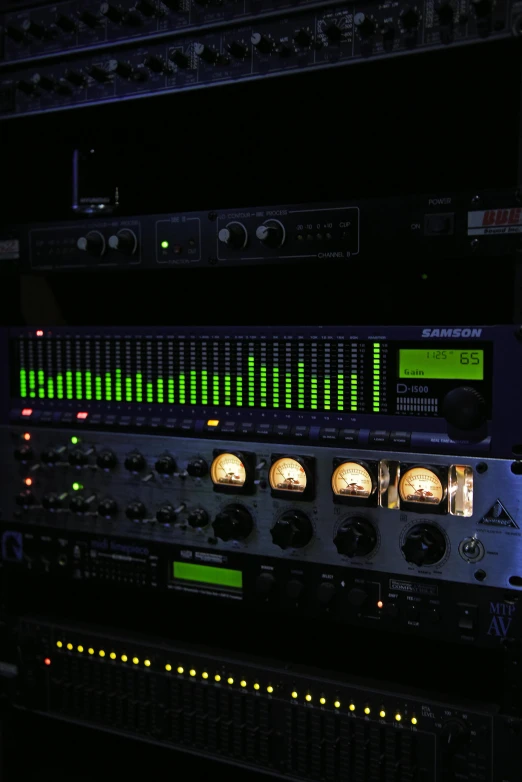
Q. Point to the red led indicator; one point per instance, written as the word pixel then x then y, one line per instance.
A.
pixel 39 333
pixel 380 604
pixel 82 416
pixel 26 436
pixel 47 661
pixel 27 411
pixel 28 481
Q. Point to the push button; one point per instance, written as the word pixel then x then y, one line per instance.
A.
pixel 439 224
pixel 301 432
pixel 379 437
pixel 349 436
pixel 282 430
pixel 263 429
pixel 400 438
pixel 467 618
pixel 229 427
pixel 328 433
pixel 246 428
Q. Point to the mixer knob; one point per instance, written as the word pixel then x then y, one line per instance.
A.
pixel 125 241
pixel 464 408
pixel 92 243
pixel 165 465
pixel 355 538
pixel 446 14
pixel 157 64
pixel 234 235
pixel 198 518
pixel 99 74
pixel 292 530
pixel 325 593
pixel 409 19
pixel 25 498
pixel 15 34
pixel 53 501
pixel 272 233
pixel 136 511
pixel 23 453
pixel 46 82
pixel 364 24
pixel 34 29
pixel 78 80
pixel 112 12
pixel 108 508
pixel 107 460
pixel 79 457
pixel 66 24
pixel 233 523
pixel 90 19
pixel 53 455
pixel 123 69
pixel 333 32
pixel 238 50
pixel 303 38
pixel 262 43
pixel 197 468
pixel 166 514
pixel 146 8
pixel 206 53
pixel 135 462
pixel 81 504
pixel 424 545
pixel 179 59
pixel 454 734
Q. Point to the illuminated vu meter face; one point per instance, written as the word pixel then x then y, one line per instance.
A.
pixel 352 480
pixel 228 470
pixel 287 475
pixel 421 485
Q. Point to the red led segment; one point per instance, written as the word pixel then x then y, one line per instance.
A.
pixel 81 416
pixel 39 333
pixel 28 481
pixel 26 436
pixel 47 661
pixel 27 411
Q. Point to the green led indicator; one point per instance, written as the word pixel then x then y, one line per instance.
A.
pixel 313 392
pixel 353 393
pixel 69 385
pixel 215 389
pixel 193 388
pixel 263 385
pixel 300 385
pixel 206 574
pixel 98 388
pixel 150 392
pixel 23 383
pixel 251 381
pixel 117 385
pixel 181 383
pixel 170 390
pixel 164 244
pixel 88 386
pixel 128 389
pixel 204 387
pixel 288 390
pixel 275 390
pixel 108 387
pixel 79 392
pixel 77 486
pixel 159 384
pixel 239 391
pixel 139 387
pixel 50 388
pixel 75 440
pixel 340 392
pixel 59 386
pixel 32 382
pixel 227 391
pixel 41 384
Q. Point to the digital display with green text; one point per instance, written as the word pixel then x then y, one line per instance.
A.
pixel 448 364
pixel 206 574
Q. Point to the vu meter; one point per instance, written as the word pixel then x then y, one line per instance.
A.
pixel 291 477
pixel 232 472
pixel 354 482
pixel 422 486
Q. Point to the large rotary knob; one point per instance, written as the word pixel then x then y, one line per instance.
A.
pixel 234 235
pixel 125 241
pixel 424 545
pixel 165 465
pixel 79 457
pixel 355 538
pixel 272 233
pixel 136 511
pixel 364 24
pixel 108 508
pixel 53 455
pixel 197 468
pixel 81 504
pixel 135 462
pixel 166 514
pixel 234 522
pixel 107 460
pixel 198 518
pixel 464 408
pixel 92 243
pixel 292 530
pixel 453 735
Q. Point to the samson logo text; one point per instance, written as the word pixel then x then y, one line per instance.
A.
pixel 451 333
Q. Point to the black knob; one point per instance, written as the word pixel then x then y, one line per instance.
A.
pixel 265 584
pixel 364 24
pixel 464 408
pixel 197 468
pixel 357 597
pixel 234 235
pixel 294 589
pixel 135 462
pixel 326 593
pixel 99 74
pixel 271 233
pixel 179 59
pixel 15 34
pixel 51 455
pixel 81 504
pixel 388 36
pixel 25 498
pixel 262 43
pixel 206 53
pixel 78 80
pixel 303 38
pixel 446 12
pixel 107 460
pixel 165 465
pixel 233 523
pixel 454 734
pixel 157 64
pixel 124 241
pixel 135 511
pixel 92 243
pixel 46 82
pixel 333 32
pixel 123 69
pixel 53 501
pixel 166 514
pixel 355 538
pixel 112 12
pixel 23 453
pixel 198 518
pixel 424 545
pixel 66 24
pixel 238 50
pixel 146 8
pixel 108 508
pixel 292 530
pixel 409 19
pixel 78 457
pixel 90 19
pixel 34 29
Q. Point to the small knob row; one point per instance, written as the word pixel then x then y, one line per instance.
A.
pixel 93 243
pixel 271 234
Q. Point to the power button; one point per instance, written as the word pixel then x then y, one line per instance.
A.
pixel 439 224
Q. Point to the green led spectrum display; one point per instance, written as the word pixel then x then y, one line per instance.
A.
pixel 206 574
pixel 442 364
